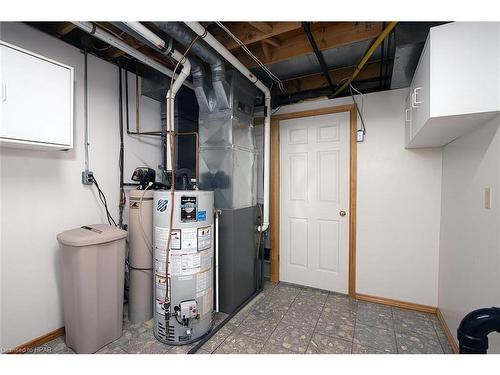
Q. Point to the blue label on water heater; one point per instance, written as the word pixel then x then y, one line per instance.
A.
pixel 202 215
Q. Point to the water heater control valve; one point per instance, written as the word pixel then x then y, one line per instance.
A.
pixel 188 309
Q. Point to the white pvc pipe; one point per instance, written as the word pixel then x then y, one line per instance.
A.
pixel 147 34
pixel 115 42
pixel 217 214
pixel 215 44
pixel 186 70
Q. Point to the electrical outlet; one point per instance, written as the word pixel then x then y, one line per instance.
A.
pixel 360 136
pixel 87 177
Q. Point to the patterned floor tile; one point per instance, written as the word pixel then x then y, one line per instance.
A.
pixel 399 312
pixel 216 339
pixel 308 303
pixel 375 318
pixel 375 307
pixel 293 337
pixel 57 346
pixel 296 315
pixel 239 344
pixel 340 302
pixel 377 338
pixel 321 344
pixel 415 324
pixel 443 339
pixel 111 349
pixel 339 316
pixel 257 327
pixel 275 349
pixel 181 349
pixel 360 349
pixel 414 343
pixel 335 327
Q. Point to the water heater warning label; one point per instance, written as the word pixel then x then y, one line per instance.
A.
pixel 189 239
pixel 204 238
pixel 186 264
pixel 161 238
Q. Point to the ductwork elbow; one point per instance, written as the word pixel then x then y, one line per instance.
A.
pixel 473 331
pixel 200 49
pixel 201 90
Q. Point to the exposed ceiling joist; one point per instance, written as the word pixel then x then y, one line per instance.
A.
pixel 316 81
pixel 336 34
pixel 264 27
pixel 248 34
pixel 65 28
pixel 275 42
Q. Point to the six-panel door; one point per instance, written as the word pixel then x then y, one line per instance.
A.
pixel 314 194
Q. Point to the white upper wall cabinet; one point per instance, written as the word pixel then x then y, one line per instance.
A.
pixel 36 100
pixel 456 85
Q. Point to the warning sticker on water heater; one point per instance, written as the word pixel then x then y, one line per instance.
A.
pixel 204 238
pixel 161 286
pixel 184 264
pixel 161 238
pixel 189 239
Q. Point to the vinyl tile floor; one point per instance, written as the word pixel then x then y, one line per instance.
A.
pixel 290 319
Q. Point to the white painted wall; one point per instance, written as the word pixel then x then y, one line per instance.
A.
pixel 469 261
pixel 42 194
pixel 398 210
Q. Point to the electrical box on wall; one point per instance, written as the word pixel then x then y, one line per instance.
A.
pixel 36 100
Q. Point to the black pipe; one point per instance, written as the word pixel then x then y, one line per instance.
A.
pixel 280 100
pixel 319 54
pixel 473 331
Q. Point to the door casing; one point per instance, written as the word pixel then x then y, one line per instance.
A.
pixel 275 187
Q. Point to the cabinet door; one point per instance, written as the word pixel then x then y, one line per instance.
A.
pixel 420 92
pixel 37 98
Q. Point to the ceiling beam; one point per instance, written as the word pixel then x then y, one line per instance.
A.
pixel 264 27
pixel 316 81
pixel 275 42
pixel 65 28
pixel 248 34
pixel 333 35
pixel 266 49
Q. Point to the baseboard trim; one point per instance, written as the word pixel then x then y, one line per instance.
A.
pixel 449 336
pixel 396 303
pixel 24 348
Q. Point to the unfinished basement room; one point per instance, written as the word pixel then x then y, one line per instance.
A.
pixel 316 186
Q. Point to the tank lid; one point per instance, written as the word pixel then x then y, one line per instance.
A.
pixel 88 235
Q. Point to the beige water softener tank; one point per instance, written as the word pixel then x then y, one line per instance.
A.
pixel 140 228
pixel 93 270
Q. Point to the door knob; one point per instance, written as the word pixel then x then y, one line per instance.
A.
pixel 342 213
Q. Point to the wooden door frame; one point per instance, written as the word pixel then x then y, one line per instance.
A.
pixel 275 186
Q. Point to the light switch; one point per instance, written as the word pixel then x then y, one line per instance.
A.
pixel 487 197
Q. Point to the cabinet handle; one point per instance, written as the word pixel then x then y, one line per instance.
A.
pixel 408 115
pixel 414 101
pixel 4 92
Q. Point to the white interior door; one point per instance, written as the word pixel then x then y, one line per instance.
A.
pixel 314 236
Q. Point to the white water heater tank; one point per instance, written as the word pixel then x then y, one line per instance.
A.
pixel 184 295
